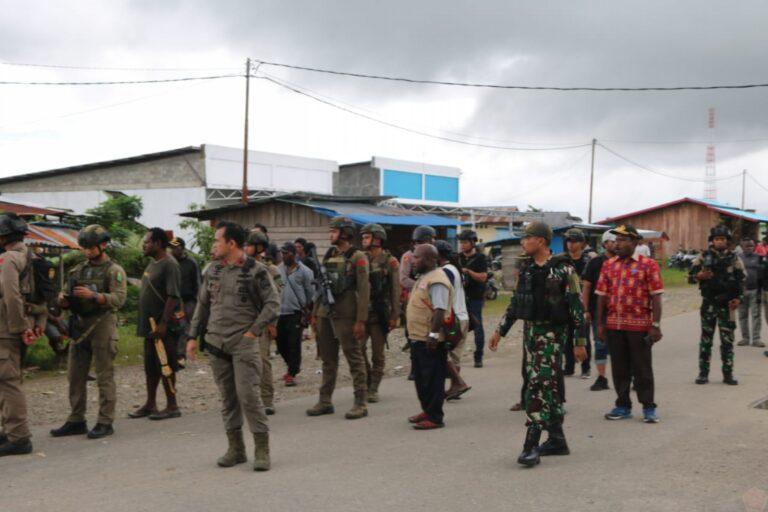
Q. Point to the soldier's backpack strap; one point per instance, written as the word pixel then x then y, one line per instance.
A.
pixel 249 264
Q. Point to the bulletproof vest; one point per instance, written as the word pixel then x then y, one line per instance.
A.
pixel 723 286
pixel 379 277
pixel 95 277
pixel 540 293
pixel 340 271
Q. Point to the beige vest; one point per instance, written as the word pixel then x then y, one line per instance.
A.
pixel 419 311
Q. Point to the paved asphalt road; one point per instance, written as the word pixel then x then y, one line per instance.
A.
pixel 708 453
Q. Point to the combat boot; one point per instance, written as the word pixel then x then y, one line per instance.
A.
pixel 20 447
pixel 261 460
pixel 373 395
pixel 530 455
pixel 359 410
pixel 728 379
pixel 321 408
pixel 236 451
pixel 703 378
pixel 555 443
pixel 3 438
pixel 70 428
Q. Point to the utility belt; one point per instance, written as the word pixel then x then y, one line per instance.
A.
pixel 215 351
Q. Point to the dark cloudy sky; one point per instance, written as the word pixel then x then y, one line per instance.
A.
pixel 559 43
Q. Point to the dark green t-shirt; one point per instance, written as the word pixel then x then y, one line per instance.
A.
pixel 161 279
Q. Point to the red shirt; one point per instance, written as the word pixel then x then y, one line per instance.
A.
pixel 629 284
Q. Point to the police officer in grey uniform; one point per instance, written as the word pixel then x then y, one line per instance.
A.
pixel 239 299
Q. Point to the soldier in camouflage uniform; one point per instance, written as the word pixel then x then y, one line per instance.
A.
pixel 547 299
pixel 257 246
pixel 344 282
pixel 720 274
pixel 95 292
pixel 238 300
pixel 384 308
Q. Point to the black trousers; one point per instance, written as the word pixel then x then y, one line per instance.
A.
pixel 631 357
pixel 430 368
pixel 289 332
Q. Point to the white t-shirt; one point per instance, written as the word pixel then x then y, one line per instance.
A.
pixel 459 302
pixel 643 250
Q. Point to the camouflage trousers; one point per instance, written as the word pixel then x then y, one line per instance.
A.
pixel 543 352
pixel 713 315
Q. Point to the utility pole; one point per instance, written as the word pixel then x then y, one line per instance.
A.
pixel 591 181
pixel 743 188
pixel 244 197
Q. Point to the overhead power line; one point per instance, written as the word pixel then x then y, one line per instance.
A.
pixel 124 82
pixel 411 130
pixel 509 86
pixel 111 68
pixel 757 182
pixel 660 173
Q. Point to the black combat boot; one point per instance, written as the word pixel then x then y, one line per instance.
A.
pixel 728 379
pixel 703 378
pixel 20 447
pixel 3 438
pixel 101 430
pixel 530 456
pixel 70 429
pixel 555 444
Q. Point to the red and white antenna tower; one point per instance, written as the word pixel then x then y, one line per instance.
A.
pixel 710 185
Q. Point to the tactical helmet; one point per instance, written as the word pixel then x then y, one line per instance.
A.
pixel 720 230
pixel 538 228
pixel 257 238
pixel 345 226
pixel 11 223
pixel 444 249
pixel 575 235
pixel 92 236
pixel 376 230
pixel 424 234
pixel 468 235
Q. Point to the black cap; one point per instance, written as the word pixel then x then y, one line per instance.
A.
pixel 627 230
pixel 288 247
pixel 178 242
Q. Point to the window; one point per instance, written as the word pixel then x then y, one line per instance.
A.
pixel 441 188
pixel 406 185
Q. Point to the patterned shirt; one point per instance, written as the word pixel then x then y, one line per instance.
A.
pixel 629 285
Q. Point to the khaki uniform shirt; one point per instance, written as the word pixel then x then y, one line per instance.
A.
pixel 15 315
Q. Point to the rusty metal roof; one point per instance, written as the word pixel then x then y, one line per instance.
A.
pixel 43 234
pixel 28 210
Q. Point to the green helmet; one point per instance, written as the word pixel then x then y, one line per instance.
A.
pixel 11 223
pixel 92 236
pixel 256 237
pixel 345 226
pixel 575 235
pixel 539 229
pixel 376 230
pixel 424 234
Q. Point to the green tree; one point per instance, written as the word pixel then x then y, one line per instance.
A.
pixel 203 234
pixel 118 214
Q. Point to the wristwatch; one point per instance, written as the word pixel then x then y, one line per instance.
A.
pixel 656 324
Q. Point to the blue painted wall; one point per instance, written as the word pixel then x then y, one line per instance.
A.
pixel 441 188
pixel 406 185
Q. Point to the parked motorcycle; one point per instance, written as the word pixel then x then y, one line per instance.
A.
pixel 491 287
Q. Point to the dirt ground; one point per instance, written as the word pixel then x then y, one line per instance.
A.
pixel 48 400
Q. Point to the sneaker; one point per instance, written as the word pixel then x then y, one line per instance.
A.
pixel 422 416
pixel 649 415
pixel 601 383
pixel 586 375
pixel 290 381
pixel 428 425
pixel 619 413
pixel 743 343
pixel 479 363
pixel 758 344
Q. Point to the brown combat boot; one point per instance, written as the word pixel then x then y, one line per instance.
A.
pixel 236 451
pixel 321 408
pixel 261 460
pixel 373 394
pixel 359 410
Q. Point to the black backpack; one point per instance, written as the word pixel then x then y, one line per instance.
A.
pixel 43 275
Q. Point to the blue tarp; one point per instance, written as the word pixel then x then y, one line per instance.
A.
pixel 394 220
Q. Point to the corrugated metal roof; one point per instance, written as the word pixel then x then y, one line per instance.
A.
pixel 28 210
pixel 49 235
pixel 725 209
pixel 364 213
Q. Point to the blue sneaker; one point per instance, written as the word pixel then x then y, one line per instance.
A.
pixel 619 413
pixel 649 415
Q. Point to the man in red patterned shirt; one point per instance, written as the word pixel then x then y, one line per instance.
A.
pixel 628 316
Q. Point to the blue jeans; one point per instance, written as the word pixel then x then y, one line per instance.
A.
pixel 475 307
pixel 601 347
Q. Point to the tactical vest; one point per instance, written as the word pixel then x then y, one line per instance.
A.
pixel 723 286
pixel 419 311
pixel 540 293
pixel 340 271
pixel 94 277
pixel 380 278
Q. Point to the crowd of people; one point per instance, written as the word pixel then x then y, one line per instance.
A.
pixel 254 296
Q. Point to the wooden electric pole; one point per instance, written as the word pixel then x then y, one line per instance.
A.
pixel 244 197
pixel 591 181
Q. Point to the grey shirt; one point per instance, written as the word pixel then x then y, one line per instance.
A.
pixel 298 289
pixel 752 264
pixel 440 296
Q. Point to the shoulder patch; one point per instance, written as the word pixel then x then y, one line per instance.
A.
pixel 119 277
pixel 361 263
